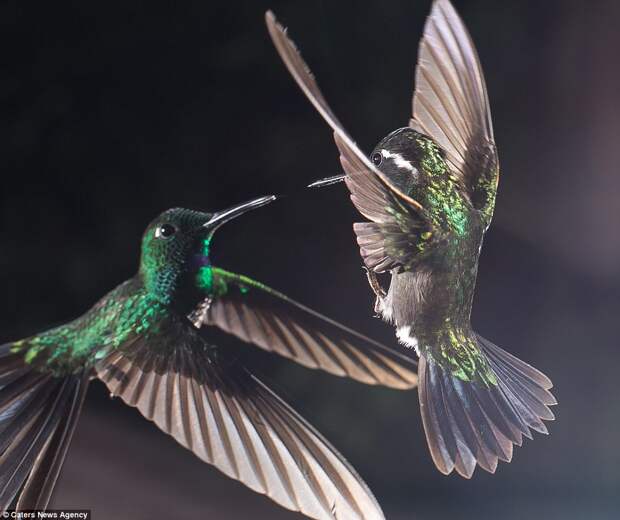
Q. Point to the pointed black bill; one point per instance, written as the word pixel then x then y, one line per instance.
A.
pixel 221 217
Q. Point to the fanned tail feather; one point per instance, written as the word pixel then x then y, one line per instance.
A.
pixel 38 414
pixel 468 423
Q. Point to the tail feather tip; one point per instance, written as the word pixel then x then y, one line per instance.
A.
pixel 469 423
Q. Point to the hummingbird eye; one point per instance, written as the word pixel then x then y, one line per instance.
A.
pixel 165 231
pixel 377 158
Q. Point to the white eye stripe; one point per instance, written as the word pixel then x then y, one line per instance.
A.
pixel 399 161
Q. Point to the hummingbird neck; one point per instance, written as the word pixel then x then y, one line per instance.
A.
pixel 182 284
pixel 204 280
pixel 161 283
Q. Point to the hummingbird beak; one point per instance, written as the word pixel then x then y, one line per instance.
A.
pixel 327 181
pixel 221 217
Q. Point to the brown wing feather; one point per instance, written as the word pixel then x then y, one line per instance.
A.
pixel 228 418
pixel 260 315
pixel 401 221
pixel 305 79
pixel 401 235
pixel 38 414
pixel 451 104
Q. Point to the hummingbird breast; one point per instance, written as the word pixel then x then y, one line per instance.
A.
pixel 435 296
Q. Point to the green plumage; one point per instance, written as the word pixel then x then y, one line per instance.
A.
pixel 124 313
pixel 135 308
pixel 173 276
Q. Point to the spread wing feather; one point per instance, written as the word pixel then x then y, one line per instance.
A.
pixel 451 105
pixel 270 320
pixel 403 230
pixel 38 415
pixel 228 418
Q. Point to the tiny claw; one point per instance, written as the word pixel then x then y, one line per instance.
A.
pixel 374 283
pixel 379 291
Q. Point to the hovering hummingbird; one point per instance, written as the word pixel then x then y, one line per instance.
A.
pixel 428 191
pixel 149 341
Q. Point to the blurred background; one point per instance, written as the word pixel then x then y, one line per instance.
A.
pixel 115 111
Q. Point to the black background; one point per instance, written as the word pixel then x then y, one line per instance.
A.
pixel 113 112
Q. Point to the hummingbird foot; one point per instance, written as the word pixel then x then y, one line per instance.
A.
pixel 378 308
pixel 379 291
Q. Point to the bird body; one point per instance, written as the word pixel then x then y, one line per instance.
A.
pixel 123 313
pixel 428 191
pixel 150 341
pixel 430 300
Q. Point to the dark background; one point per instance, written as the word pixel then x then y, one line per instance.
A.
pixel 113 112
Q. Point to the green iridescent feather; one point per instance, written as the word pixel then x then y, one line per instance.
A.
pixel 457 350
pixel 441 194
pixel 126 312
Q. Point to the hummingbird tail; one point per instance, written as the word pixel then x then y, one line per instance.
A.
pixel 471 421
pixel 38 414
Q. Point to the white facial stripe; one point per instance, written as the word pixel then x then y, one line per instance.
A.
pixel 399 161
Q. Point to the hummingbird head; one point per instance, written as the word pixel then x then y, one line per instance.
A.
pixel 410 159
pixel 177 243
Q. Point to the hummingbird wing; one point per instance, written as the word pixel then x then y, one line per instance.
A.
pixel 403 232
pixel 228 418
pixel 451 105
pixel 401 235
pixel 305 79
pixel 38 415
pixel 267 318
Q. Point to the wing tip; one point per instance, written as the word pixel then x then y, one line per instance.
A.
pixel 272 22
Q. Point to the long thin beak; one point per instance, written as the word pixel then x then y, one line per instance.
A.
pixel 327 181
pixel 221 217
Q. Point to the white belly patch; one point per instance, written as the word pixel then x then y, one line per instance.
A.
pixel 406 338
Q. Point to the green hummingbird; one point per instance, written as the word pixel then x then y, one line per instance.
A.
pixel 428 191
pixel 150 341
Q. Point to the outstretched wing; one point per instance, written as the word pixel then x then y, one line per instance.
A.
pixel 402 231
pixel 228 418
pixel 38 415
pixel 451 105
pixel 260 315
pixel 400 235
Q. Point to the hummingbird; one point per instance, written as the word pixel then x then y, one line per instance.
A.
pixel 151 341
pixel 428 191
